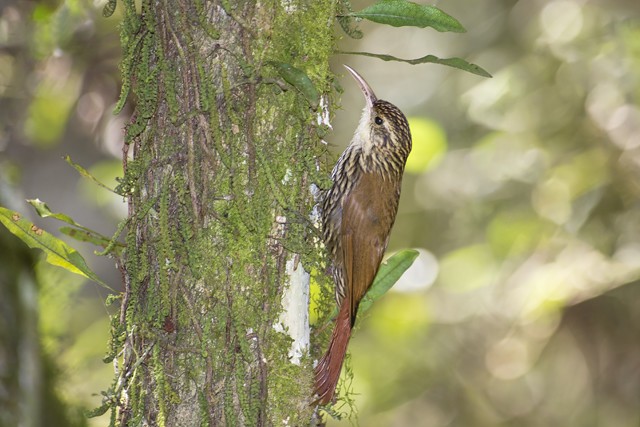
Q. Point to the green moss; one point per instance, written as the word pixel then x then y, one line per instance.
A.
pixel 205 257
pixel 160 387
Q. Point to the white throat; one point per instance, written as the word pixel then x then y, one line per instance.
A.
pixel 362 136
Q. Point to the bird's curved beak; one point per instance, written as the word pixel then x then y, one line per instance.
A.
pixel 369 96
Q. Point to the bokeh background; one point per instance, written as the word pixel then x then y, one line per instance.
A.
pixel 521 195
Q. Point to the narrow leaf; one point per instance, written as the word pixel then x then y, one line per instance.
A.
pixel 84 234
pixel 402 13
pixel 89 237
pixel 101 410
pixel 450 62
pixel 56 251
pixel 43 211
pixel 349 27
pixel 298 79
pixel 388 274
pixel 86 174
pixel 109 8
pixel 347 22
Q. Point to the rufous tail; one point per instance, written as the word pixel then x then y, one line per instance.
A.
pixel 328 370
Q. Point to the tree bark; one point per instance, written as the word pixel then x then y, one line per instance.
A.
pixel 219 158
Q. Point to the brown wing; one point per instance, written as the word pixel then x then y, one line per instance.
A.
pixel 368 213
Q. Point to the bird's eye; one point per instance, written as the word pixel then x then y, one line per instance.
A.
pixel 378 120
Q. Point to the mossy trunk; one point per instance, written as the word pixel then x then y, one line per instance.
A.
pixel 219 158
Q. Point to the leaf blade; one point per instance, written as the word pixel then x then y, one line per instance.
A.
pixel 454 62
pixel 93 238
pixel 56 251
pixel 82 171
pixel 80 233
pixel 299 80
pixel 402 13
pixel 45 212
pixel 109 8
pixel 390 271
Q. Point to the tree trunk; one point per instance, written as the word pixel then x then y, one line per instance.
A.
pixel 219 158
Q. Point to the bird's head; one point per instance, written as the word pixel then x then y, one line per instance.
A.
pixel 383 128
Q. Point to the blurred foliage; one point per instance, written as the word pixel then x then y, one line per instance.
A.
pixel 532 213
pixel 58 76
pixel 106 172
pixel 429 144
pixel 30 375
pixel 521 195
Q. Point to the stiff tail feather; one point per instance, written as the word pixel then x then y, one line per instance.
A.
pixel 328 370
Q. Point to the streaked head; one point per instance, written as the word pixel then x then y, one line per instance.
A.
pixel 382 125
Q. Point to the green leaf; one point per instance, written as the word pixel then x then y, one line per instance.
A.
pixel 56 251
pixel 450 62
pixel 402 13
pixel 84 234
pixel 298 79
pixel 100 410
pixel 109 8
pixel 43 211
pixel 89 237
pixel 86 174
pixel 388 274
pixel 348 23
pixel 348 26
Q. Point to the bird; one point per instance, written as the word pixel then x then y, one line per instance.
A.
pixel 357 214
